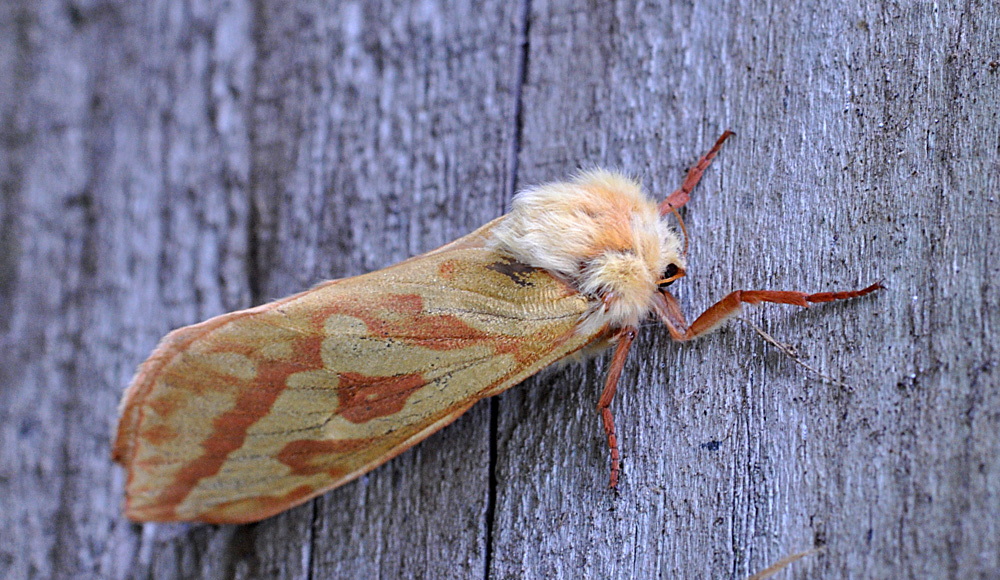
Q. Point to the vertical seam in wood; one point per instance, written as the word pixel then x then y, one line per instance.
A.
pixel 255 258
pixel 253 266
pixel 253 241
pixel 520 79
pixel 491 495
pixel 311 546
pixel 14 140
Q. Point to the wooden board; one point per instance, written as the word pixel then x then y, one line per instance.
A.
pixel 163 162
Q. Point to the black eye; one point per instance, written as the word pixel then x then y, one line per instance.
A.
pixel 669 272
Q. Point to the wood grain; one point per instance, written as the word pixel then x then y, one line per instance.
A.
pixel 162 162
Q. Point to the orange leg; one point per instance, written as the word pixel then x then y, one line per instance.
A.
pixel 625 338
pixel 678 198
pixel 670 313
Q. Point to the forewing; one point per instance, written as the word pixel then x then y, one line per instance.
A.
pixel 249 413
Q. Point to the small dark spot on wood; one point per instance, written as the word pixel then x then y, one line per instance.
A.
pixel 27 427
pixel 518 273
pixel 907 383
pixel 83 200
pixel 76 17
pixel 994 65
pixel 819 534
pixel 712 445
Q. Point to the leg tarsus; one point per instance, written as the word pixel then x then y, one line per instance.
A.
pixel 831 296
pixel 609 430
pixel 670 313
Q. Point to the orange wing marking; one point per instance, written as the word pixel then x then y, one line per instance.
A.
pixel 253 402
pixel 401 317
pixel 363 398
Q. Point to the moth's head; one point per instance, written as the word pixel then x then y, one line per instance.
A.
pixel 603 234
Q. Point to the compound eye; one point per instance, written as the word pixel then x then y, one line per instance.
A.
pixel 670 275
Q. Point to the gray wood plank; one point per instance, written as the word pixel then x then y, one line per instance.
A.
pixel 164 162
pixel 130 163
pixel 383 132
pixel 865 149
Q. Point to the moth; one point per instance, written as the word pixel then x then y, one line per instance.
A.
pixel 253 412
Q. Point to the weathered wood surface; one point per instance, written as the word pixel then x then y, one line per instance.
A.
pixel 162 162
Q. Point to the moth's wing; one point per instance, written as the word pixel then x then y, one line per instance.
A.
pixel 250 413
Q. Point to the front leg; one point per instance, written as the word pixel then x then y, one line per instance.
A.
pixel 683 194
pixel 670 312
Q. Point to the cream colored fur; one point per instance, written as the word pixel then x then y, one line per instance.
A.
pixel 600 232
